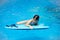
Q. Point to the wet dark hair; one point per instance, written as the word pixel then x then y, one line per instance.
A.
pixel 37 19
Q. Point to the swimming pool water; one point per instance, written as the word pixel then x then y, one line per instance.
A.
pixel 12 11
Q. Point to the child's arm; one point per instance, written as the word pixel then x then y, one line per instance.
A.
pixel 21 22
pixel 27 24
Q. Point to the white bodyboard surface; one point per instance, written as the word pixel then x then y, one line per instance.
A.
pixel 22 27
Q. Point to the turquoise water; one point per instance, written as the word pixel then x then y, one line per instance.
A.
pixel 12 11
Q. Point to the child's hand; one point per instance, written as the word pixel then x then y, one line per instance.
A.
pixel 31 27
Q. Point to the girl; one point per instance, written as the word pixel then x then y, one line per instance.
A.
pixel 29 23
